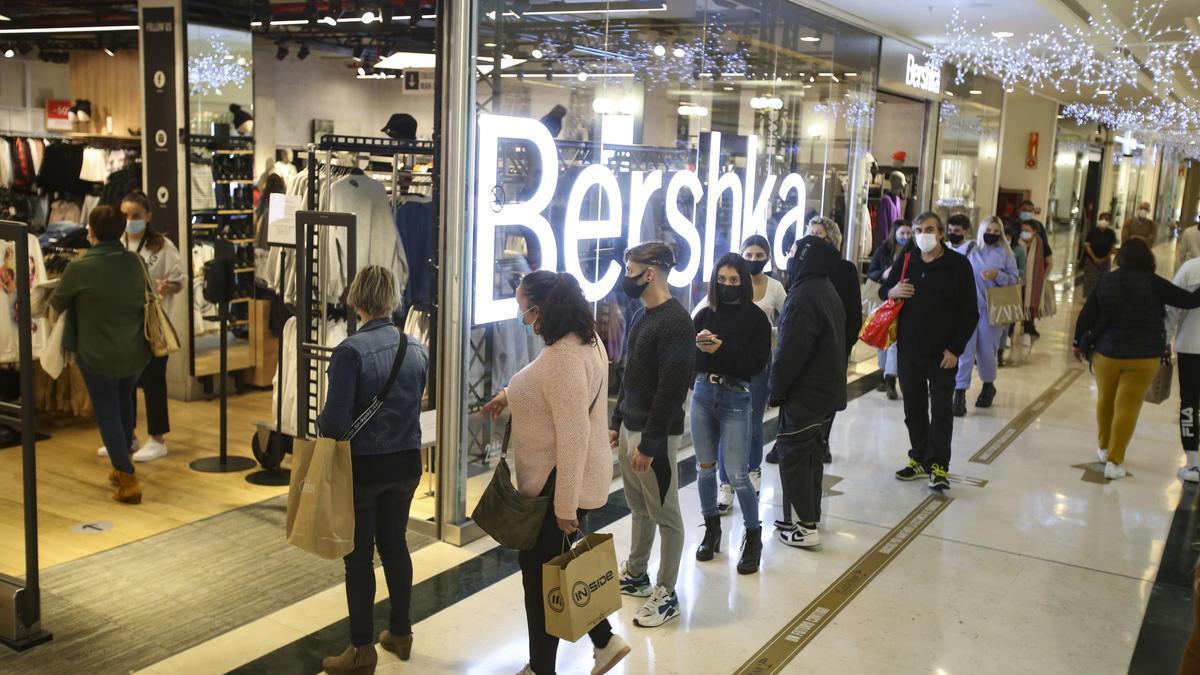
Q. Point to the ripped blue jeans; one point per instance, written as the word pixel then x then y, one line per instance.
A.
pixel 721 418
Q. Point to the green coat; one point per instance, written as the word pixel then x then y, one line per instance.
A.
pixel 105 292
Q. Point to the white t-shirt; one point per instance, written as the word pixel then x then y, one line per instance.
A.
pixel 165 263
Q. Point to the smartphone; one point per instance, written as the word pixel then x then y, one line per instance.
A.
pixel 705 342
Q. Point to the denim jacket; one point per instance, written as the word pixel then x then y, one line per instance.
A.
pixel 358 369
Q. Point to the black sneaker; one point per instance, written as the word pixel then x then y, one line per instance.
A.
pixel 959 405
pixel 938 479
pixel 889 383
pixel 912 471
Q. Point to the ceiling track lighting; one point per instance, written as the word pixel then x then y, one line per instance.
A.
pixel 281 51
pixel 9 53
pixel 303 52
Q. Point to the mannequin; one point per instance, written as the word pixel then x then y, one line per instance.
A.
pixel 866 172
pixel 891 206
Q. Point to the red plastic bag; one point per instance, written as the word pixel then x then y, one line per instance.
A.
pixel 880 329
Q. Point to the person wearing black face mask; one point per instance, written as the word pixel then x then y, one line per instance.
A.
pixel 769 295
pixel 733 344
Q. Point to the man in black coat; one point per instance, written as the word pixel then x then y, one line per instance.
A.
pixel 939 316
pixel 807 383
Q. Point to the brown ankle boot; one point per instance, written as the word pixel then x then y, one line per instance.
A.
pixel 353 661
pixel 400 645
pixel 112 479
pixel 128 490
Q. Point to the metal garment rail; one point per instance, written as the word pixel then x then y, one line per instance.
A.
pixel 21 603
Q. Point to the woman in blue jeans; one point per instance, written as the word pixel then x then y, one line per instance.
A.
pixel 386 463
pixel 733 339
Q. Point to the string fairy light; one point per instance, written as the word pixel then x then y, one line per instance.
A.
pixel 209 72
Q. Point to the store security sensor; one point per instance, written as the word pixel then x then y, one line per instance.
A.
pixel 748 211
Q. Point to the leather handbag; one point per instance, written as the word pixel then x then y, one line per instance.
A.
pixel 1160 388
pixel 880 329
pixel 509 517
pixel 159 331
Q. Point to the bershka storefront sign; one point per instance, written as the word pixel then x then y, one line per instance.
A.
pixel 922 76
pixel 749 203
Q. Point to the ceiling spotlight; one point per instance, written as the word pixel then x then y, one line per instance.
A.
pixel 1002 34
pixel 582 77
pixel 679 52
pixel 975 92
pixel 949 93
pixel 329 20
pixel 303 52
pixel 1103 92
pixel 810 38
pixel 536 53
pixel 4 18
pixel 282 51
pixel 9 53
pixel 107 50
pixel 660 50
pixel 368 17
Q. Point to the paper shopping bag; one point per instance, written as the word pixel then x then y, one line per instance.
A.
pixel 1005 305
pixel 580 588
pixel 53 356
pixel 320 515
pixel 1160 388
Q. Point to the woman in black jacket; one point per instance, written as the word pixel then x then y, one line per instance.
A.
pixel 846 281
pixel 1124 322
pixel 881 265
pixel 733 339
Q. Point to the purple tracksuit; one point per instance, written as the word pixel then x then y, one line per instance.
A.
pixel 985 343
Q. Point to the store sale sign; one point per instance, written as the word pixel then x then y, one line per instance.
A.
pixel 747 200
pixel 58 116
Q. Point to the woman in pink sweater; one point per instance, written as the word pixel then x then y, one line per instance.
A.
pixel 559 408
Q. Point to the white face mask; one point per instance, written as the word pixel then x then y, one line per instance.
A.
pixel 1103 224
pixel 1143 214
pixel 926 241
pixel 1026 236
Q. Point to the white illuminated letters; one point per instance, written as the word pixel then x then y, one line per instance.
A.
pixel 595 210
pixel 922 76
pixel 576 228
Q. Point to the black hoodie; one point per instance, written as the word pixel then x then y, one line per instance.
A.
pixel 808 378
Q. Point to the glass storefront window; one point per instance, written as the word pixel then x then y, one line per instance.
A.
pixel 695 124
pixel 968 144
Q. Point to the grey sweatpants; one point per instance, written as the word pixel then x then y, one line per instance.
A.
pixel 653 508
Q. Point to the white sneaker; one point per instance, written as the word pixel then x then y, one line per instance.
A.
pixel 1113 471
pixel 756 480
pixel 1190 474
pixel 725 499
pixel 1102 454
pixel 526 670
pixel 103 451
pixel 612 654
pixel 1027 340
pixel 800 537
pixel 151 451
pixel 661 607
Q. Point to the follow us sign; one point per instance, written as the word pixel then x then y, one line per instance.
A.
pixel 749 210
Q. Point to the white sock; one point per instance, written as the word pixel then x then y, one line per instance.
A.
pixel 1191 458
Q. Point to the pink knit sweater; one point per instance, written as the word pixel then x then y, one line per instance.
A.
pixel 549 402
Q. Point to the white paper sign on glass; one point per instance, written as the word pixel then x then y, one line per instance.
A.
pixel 749 206
pixel 281 219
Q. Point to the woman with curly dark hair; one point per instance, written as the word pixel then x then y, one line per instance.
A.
pixel 733 342
pixel 560 438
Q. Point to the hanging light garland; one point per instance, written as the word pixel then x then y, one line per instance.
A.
pixel 1101 56
pixel 210 72
pixel 1174 123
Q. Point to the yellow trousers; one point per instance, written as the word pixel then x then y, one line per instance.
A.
pixel 1123 384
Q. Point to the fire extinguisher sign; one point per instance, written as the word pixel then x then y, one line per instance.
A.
pixel 1031 156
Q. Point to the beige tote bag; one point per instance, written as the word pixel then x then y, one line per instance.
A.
pixel 320 515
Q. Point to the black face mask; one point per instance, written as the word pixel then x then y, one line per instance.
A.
pixel 991 238
pixel 955 238
pixel 757 266
pixel 631 286
pixel 729 295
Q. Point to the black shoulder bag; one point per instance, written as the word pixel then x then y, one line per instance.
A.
pixel 509 517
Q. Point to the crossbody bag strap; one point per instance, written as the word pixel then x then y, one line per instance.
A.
pixel 377 402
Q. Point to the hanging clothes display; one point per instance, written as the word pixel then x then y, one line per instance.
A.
pixel 414 224
pixel 95 165
pixel 376 240
pixel 9 331
pixel 335 334
pixel 202 252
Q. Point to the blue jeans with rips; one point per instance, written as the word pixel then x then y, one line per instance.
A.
pixel 721 419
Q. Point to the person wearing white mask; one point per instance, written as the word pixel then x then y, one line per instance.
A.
pixel 1189 244
pixel 1098 252
pixel 939 316
pixel 166 273
pixel 1141 226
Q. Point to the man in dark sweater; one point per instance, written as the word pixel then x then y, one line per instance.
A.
pixel 808 383
pixel 938 318
pixel 647 427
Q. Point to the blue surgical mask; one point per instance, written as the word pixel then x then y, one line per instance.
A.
pixel 135 226
pixel 527 326
pixel 1026 215
pixel 902 241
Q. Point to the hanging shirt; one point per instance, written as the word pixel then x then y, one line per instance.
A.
pixel 9 346
pixel 376 241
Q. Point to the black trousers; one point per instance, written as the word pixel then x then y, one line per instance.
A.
pixel 928 390
pixel 802 470
pixel 380 521
pixel 543 648
pixel 153 384
pixel 1189 399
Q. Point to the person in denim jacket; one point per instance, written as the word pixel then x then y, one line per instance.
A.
pixel 386 463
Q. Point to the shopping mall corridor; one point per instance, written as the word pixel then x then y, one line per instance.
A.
pixel 1032 563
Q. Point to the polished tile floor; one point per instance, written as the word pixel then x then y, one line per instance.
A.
pixel 1031 568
